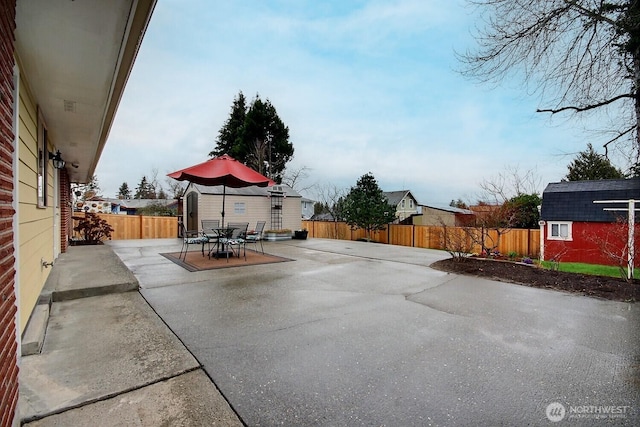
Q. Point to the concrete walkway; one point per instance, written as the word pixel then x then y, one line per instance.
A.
pixel 348 333
pixel 107 359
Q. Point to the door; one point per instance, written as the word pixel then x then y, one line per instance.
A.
pixel 192 211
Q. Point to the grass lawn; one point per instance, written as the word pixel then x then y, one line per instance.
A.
pixel 595 269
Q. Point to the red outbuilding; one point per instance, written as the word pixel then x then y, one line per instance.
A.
pixel 575 229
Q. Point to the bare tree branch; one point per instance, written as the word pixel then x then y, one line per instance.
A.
pixel 581 56
pixel 585 108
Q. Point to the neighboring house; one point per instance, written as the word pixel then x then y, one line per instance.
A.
pixel 574 229
pixel 406 205
pixel 444 215
pixel 63 69
pixel 307 208
pixel 278 205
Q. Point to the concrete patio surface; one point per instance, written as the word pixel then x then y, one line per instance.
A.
pixel 348 333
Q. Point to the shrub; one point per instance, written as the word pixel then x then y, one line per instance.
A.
pixel 92 228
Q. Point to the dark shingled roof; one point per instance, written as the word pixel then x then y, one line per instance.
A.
pixel 573 200
pixel 395 197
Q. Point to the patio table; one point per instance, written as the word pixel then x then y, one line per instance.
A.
pixel 221 248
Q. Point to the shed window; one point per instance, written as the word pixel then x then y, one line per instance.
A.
pixel 559 231
pixel 238 208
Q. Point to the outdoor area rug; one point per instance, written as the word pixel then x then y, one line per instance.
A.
pixel 196 262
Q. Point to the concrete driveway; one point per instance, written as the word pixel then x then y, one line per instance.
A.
pixel 352 333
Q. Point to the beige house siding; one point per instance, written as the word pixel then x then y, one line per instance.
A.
pixel 35 224
pixel 257 208
pixel 432 216
pixel 407 211
pixel 210 207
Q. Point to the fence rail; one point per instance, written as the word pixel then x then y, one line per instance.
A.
pixel 524 242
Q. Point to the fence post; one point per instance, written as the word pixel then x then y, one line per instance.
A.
pixel 413 236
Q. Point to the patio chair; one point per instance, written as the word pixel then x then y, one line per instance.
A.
pixel 209 227
pixel 237 237
pixel 191 237
pixel 255 236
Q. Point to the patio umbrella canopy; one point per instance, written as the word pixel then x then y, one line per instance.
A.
pixel 225 171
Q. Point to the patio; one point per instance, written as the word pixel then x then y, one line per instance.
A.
pixel 353 333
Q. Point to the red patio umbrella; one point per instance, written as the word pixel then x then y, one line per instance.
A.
pixel 225 171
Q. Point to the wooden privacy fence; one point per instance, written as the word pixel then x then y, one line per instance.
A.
pixel 521 241
pixel 524 242
pixel 136 226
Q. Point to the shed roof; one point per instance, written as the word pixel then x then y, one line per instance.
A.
pixel 573 200
pixel 451 209
pixel 244 191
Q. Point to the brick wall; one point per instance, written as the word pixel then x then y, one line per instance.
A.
pixel 8 343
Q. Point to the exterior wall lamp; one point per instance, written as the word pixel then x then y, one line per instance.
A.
pixel 58 163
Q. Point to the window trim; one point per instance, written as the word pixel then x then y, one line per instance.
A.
pixel 42 173
pixel 550 225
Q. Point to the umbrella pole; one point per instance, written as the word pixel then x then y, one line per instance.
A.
pixel 224 191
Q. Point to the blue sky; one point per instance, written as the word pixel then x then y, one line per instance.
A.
pixel 364 86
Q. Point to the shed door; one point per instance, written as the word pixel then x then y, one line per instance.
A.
pixel 192 211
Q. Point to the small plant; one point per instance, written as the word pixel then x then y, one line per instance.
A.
pixel 92 228
pixel 527 260
pixel 512 255
pixel 279 231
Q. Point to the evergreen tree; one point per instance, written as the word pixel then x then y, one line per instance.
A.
pixel 256 137
pixel 366 206
pixel 124 192
pixel 458 204
pixel 145 190
pixel 589 165
pixel 523 209
pixel 229 136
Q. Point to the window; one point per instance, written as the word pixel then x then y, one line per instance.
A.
pixel 410 203
pixel 238 208
pixel 559 231
pixel 43 161
pixel 402 204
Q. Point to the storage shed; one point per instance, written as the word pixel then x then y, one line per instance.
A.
pixel 575 229
pixel 278 205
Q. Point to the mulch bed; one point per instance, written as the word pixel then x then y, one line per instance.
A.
pixel 596 286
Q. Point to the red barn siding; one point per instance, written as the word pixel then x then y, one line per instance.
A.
pixel 8 309
pixel 585 245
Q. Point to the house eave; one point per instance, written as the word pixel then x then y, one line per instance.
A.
pixel 77 58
